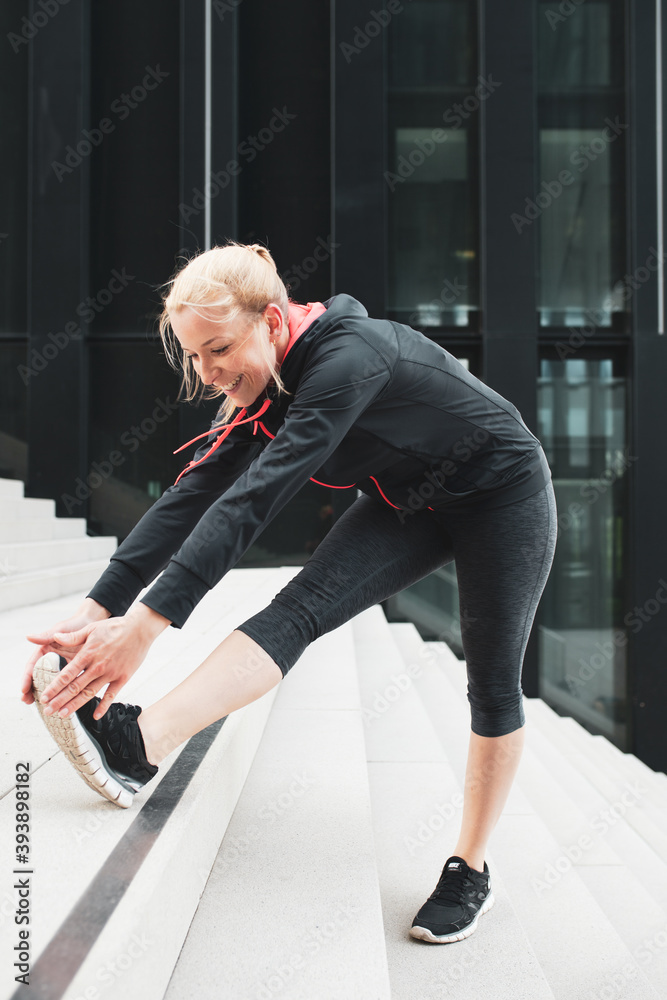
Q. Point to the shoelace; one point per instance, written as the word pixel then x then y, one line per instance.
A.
pixel 451 886
pixel 122 715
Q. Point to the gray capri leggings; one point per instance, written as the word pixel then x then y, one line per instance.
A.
pixel 503 557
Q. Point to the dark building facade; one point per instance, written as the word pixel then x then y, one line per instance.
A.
pixel 491 174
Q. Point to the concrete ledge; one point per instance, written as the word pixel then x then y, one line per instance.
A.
pixel 21 589
pixel 86 851
pixel 292 907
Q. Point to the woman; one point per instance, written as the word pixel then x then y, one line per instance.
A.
pixel 447 469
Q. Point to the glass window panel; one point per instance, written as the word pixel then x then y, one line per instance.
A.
pixel 13 411
pixel 575 47
pixel 134 216
pixel 434 94
pixel 579 205
pixel 582 412
pixel 14 166
pixel 133 430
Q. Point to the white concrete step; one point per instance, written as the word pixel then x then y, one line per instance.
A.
pixel 43 557
pixel 598 748
pixel 17 508
pixel 20 589
pixel 626 877
pixel 114 891
pixel 648 815
pixel 604 815
pixel 27 557
pixel 11 488
pixel 416 796
pixel 594 941
pixel 607 754
pixel 34 529
pixel 292 906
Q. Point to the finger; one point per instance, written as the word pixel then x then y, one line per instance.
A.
pixel 109 696
pixel 78 700
pixel 75 694
pixel 26 686
pixel 75 638
pixel 39 638
pixel 26 689
pixel 30 666
pixel 71 679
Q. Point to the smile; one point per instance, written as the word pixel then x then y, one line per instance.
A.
pixel 233 384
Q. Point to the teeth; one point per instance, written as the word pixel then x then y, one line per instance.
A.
pixel 232 384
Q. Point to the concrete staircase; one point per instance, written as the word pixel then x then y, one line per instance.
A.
pixel 284 852
pixel 41 556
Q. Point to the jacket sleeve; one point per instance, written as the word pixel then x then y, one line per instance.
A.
pixel 329 398
pixel 163 528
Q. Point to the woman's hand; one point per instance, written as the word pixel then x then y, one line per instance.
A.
pixel 111 651
pixel 87 612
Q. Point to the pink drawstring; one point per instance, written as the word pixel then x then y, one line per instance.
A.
pixel 228 428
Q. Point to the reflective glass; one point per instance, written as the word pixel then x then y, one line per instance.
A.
pixel 14 377
pixel 14 165
pixel 583 622
pixel 434 96
pixel 136 227
pixel 579 204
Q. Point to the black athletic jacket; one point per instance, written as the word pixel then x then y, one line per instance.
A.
pixel 375 405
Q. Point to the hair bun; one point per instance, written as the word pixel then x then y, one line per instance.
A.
pixel 263 253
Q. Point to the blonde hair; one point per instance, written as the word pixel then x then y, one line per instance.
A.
pixel 226 282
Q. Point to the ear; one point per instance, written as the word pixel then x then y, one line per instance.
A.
pixel 274 318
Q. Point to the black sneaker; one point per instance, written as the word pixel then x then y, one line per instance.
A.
pixel 452 910
pixel 108 753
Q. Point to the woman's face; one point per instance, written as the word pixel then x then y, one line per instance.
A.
pixel 228 355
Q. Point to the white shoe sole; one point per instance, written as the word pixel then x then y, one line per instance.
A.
pixel 79 748
pixel 424 934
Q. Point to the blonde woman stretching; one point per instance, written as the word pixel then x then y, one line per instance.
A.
pixel 447 470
